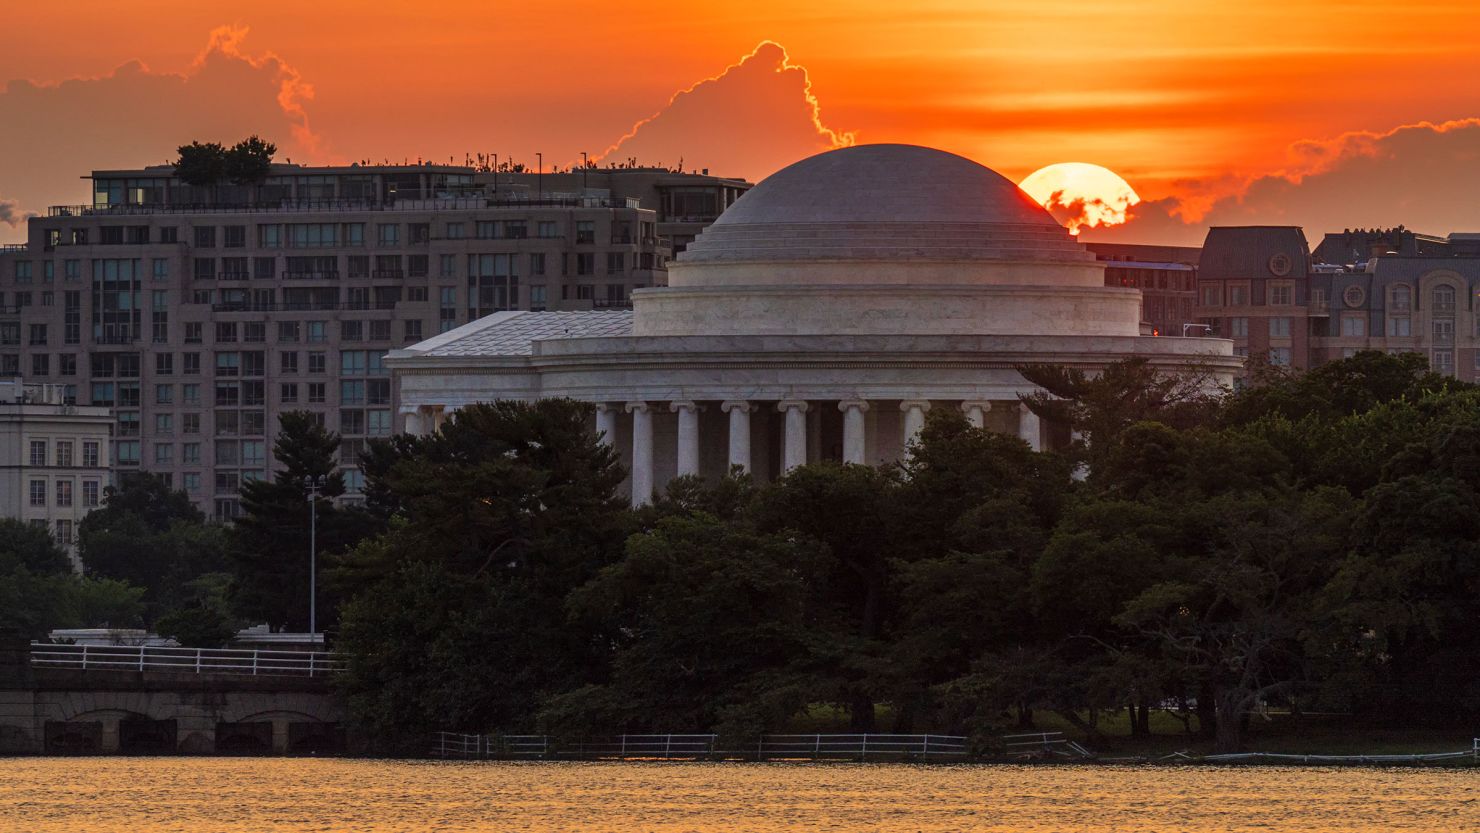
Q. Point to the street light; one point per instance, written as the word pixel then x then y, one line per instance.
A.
pixel 311 487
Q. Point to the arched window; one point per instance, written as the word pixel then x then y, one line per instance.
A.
pixel 1402 298
pixel 1443 299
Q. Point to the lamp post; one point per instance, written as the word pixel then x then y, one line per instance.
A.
pixel 311 487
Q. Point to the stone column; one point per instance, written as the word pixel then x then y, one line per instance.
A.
pixel 438 417
pixel 739 411
pixel 976 412
pixel 1029 429
pixel 688 436
pixel 795 445
pixel 415 424
pixel 855 446
pixel 642 453
pixel 606 424
pixel 914 419
pixel 1081 469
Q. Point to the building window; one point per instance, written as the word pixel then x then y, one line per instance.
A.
pixel 89 454
pixel 1281 295
pixel 456 231
pixel 64 454
pixel 38 492
pixel 1353 326
pixel 38 452
pixel 205 237
pixel 1444 362
pixel 1400 327
pixel 318 331
pixel 1212 295
pixel 389 234
pixel 1279 356
pixel 289 362
pixel 234 237
pixel 316 393
pixel 192 482
pixel 413 330
pixel 585 231
pixel 190 423
pixel 1444 299
pixel 64 493
pixel 1279 327
pixel 446 266
pixel 1443 331
pixel 164 424
pixel 190 453
pixel 190 393
pixel 64 532
pixel 316 362
pixel 1238 327
pixel 164 454
pixel 89 494
pixel 288 393
pixel 1400 298
pixel 164 394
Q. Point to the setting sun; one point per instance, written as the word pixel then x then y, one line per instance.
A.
pixel 1081 195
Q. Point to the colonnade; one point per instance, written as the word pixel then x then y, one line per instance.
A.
pixel 794 444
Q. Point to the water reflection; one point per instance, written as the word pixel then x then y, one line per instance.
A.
pixel 207 795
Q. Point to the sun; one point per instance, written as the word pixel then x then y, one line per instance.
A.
pixel 1081 195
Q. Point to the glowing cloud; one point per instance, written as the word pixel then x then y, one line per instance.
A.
pixel 750 120
pixel 1424 176
pixel 134 116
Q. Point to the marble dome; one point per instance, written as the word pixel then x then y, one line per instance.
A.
pixel 885 214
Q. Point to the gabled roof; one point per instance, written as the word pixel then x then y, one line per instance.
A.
pixel 513 333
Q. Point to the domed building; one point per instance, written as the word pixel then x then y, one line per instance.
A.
pixel 819 318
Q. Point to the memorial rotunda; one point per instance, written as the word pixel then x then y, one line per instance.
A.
pixel 820 317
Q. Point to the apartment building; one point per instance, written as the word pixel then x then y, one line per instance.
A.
pixel 54 459
pixel 1166 276
pixel 1261 287
pixel 198 314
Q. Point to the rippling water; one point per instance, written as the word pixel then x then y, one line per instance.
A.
pixel 241 795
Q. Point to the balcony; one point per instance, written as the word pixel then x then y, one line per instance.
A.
pixel 234 276
pixel 389 274
pixel 310 276
pixel 22 248
pixel 115 338
pixel 438 202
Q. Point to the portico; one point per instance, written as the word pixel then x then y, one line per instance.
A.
pixel 822 317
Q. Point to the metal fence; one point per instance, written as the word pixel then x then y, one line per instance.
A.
pixel 815 746
pixel 186 660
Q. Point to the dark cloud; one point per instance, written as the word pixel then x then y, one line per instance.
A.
pixel 1424 176
pixel 755 117
pixel 135 116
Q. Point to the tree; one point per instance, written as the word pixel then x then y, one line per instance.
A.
pixel 201 164
pixel 152 537
pixel 249 162
pixel 269 545
pixel 38 591
pixel 709 623
pixel 458 617
pixel 1336 389
pixel 846 512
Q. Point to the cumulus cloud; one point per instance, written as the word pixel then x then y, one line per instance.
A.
pixel 755 117
pixel 11 213
pixel 133 116
pixel 1083 213
pixel 1424 176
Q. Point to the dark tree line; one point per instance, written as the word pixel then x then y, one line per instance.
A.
pixel 1306 542
pixel 1310 542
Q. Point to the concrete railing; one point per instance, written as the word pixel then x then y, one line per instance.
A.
pixel 185 660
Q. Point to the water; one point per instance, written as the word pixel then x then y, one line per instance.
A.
pixel 245 795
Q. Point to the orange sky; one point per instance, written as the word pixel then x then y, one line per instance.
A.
pixel 1182 98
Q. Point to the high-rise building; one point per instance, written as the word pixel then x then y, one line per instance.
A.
pixel 199 313
pixel 54 459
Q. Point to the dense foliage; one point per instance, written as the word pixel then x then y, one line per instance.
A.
pixel 1310 541
pixel 247 162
